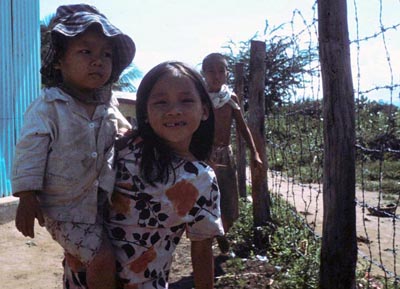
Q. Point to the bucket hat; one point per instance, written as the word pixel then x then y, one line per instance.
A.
pixel 71 20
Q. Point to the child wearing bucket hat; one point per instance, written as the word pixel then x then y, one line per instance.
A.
pixel 63 167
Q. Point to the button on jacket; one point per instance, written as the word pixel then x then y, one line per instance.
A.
pixel 66 156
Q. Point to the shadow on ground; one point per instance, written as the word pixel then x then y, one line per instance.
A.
pixel 187 282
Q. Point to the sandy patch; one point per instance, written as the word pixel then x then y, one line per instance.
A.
pixel 379 237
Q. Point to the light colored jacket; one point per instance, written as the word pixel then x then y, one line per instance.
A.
pixel 66 156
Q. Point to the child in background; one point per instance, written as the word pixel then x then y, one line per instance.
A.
pixel 63 170
pixel 226 109
pixel 164 187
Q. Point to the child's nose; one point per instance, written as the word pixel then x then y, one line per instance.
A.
pixel 174 109
pixel 97 60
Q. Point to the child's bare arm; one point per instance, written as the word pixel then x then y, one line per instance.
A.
pixel 245 132
pixel 203 264
pixel 28 209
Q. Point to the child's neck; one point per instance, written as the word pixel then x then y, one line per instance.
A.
pixel 215 90
pixel 187 155
pixel 88 96
pixel 89 107
pixel 84 99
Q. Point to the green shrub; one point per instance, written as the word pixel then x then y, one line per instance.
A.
pixel 292 249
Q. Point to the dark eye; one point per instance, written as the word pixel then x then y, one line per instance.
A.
pixel 188 100
pixel 85 51
pixel 159 102
pixel 108 54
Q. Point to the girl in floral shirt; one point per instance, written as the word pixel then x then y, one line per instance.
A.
pixel 164 187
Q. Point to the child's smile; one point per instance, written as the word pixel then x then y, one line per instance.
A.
pixel 176 124
pixel 175 111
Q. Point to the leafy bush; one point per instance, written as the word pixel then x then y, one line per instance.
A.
pixel 290 256
pixel 292 250
pixel 295 143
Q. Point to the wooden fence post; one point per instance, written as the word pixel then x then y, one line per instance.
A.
pixel 260 194
pixel 339 244
pixel 240 142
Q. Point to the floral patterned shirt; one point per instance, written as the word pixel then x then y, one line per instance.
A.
pixel 146 222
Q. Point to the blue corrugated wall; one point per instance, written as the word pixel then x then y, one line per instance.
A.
pixel 20 78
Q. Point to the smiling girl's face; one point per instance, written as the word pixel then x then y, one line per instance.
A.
pixel 175 110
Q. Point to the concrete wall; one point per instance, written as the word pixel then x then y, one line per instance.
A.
pixel 8 207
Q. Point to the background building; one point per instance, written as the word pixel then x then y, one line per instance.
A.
pixel 20 77
pixel 127 105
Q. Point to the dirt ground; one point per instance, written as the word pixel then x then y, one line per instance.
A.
pixel 36 263
pixel 29 263
pixel 378 238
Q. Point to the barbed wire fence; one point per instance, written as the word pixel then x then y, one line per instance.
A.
pixel 381 247
pixel 295 136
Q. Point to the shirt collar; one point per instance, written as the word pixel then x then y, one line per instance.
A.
pixel 54 93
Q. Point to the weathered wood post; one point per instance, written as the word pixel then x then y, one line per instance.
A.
pixel 339 245
pixel 260 194
pixel 240 142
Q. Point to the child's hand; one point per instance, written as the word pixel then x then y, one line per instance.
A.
pixel 257 162
pixel 28 209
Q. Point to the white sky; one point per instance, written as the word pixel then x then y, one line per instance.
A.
pixel 185 30
pixel 188 30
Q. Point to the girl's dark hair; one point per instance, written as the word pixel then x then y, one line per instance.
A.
pixel 157 157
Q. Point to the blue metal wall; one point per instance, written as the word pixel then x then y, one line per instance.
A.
pixel 20 78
